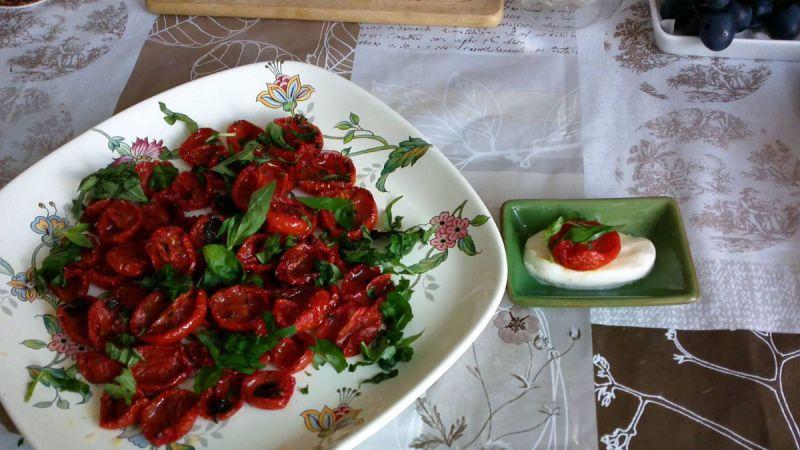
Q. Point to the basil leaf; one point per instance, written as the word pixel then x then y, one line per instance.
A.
pixel 303 390
pixel 329 274
pixel 253 219
pixel 222 267
pixel 123 387
pixel 167 154
pixel 206 378
pixel 394 223
pixel 126 356
pixel 380 377
pixel 272 247
pixel 582 233
pixel 396 309
pixel 274 331
pixel 274 135
pixel 172 117
pixel 326 203
pixel 77 235
pixel 553 229
pixel 244 156
pixel 120 181
pixel 162 177
pixel 52 269
pixel 169 281
pixel 327 351
pixel 346 217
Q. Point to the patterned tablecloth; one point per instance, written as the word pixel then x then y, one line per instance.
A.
pixel 528 109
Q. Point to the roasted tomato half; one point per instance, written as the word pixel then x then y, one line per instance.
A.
pixel 129 259
pixel 239 308
pixel 171 245
pixel 116 413
pixel 584 256
pixel 169 416
pixel 256 176
pixel 293 354
pixel 287 217
pixel 244 131
pixel 162 367
pixel 268 389
pixel 161 321
pixel 298 265
pixel 74 319
pixel 222 400
pixel 365 213
pixel 97 367
pixel 302 138
pixel 325 171
pixel 118 222
pixel 202 149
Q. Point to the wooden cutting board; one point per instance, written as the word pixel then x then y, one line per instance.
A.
pixel 467 13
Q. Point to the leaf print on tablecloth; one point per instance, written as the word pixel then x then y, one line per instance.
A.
pixel 441 435
pixel 636 50
pixel 8 170
pixel 110 20
pixel 46 135
pixel 16 102
pixel 713 127
pixel 649 89
pixel 336 48
pixel 718 81
pixel 231 54
pixel 72 4
pixel 777 164
pixel 52 61
pixel 660 171
pixel 748 223
pixel 23 28
pixel 196 32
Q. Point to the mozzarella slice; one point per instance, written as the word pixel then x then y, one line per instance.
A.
pixel 636 257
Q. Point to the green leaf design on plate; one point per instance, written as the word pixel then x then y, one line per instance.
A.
pixel 479 220
pixel 428 263
pixel 406 154
pixel 51 324
pixel 34 344
pixel 5 268
pixel 467 245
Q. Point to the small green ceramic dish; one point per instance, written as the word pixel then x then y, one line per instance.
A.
pixel 672 281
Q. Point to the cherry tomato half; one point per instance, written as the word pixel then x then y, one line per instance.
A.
pixel 325 171
pixel 222 400
pixel 129 295
pixel 76 283
pixel 366 213
pixel 248 251
pixel 74 318
pixel 297 266
pixel 354 283
pixel 171 245
pixel 245 131
pixel 292 354
pixel 116 414
pixel 161 321
pixel 145 171
pixel 191 191
pixel 302 136
pixel 97 367
pixel 350 325
pixel 129 259
pixel 199 149
pixel 119 222
pixel 104 276
pixel 268 389
pixel 239 308
pixel 584 256
pixel 169 416
pixel 256 176
pixel 104 321
pixel 162 367
pixel 287 216
pixel 204 230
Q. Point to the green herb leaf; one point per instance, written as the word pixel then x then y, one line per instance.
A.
pixel 303 390
pixel 172 117
pixel 329 273
pixel 168 154
pixel 52 269
pixel 77 234
pixel 126 356
pixel 407 153
pixel 169 281
pixel 123 387
pixel 328 352
pixel 245 156
pixel 272 247
pixel 206 378
pixel 222 267
pixel 380 377
pixel 162 177
pixel 274 135
pixel 254 279
pixel 394 223
pixel 553 228
pixel 120 181
pixel 253 219
pixel 586 233
pixel 396 309
pixel 326 203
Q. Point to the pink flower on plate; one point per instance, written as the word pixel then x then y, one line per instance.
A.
pixel 61 343
pixel 142 150
pixel 442 220
pixel 442 243
pixel 457 228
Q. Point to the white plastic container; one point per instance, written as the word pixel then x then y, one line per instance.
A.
pixel 746 45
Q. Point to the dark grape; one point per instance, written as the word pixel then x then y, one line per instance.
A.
pixel 687 25
pixel 761 8
pixel 672 9
pixel 742 14
pixel 785 22
pixel 717 5
pixel 717 29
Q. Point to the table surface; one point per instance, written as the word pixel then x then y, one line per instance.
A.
pixel 530 109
